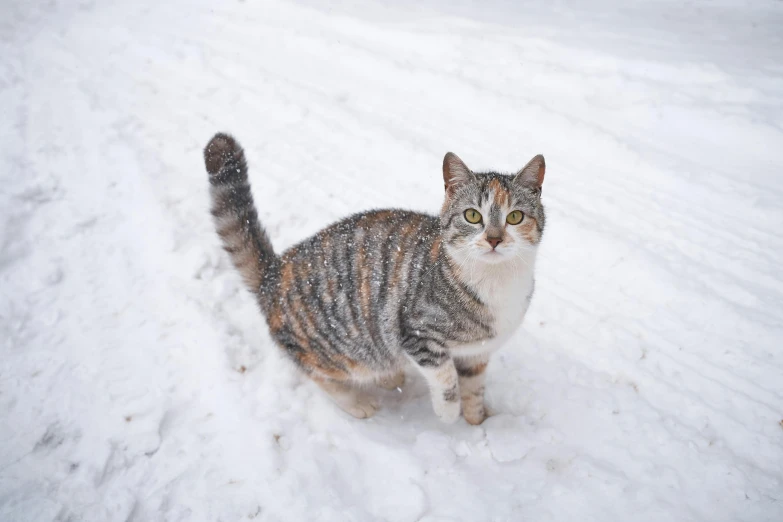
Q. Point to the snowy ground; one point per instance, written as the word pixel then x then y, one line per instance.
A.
pixel 138 383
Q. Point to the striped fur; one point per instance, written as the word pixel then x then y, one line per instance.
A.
pixel 363 297
pixel 235 214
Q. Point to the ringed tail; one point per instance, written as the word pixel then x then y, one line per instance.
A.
pixel 235 215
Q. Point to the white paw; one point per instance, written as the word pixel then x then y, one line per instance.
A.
pixel 447 411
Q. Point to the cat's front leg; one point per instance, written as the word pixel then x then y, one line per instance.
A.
pixel 471 372
pixel 437 367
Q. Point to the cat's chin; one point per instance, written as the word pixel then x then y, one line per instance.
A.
pixel 493 257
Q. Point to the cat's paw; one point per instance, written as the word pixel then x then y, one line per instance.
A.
pixel 392 382
pixel 361 408
pixel 447 411
pixel 475 416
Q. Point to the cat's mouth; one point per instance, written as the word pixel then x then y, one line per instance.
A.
pixel 493 256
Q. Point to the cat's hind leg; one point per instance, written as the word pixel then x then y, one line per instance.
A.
pixel 339 376
pixel 393 381
pixel 351 399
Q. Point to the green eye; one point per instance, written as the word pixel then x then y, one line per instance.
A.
pixel 472 216
pixel 515 218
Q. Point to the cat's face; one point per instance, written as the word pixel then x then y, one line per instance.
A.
pixel 490 218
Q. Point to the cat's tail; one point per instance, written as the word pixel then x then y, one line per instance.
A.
pixel 236 219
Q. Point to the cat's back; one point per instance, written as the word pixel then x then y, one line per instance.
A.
pixel 370 234
pixel 370 252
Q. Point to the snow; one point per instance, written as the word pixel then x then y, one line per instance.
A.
pixel 138 382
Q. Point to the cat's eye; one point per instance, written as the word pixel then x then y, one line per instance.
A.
pixel 515 218
pixel 472 216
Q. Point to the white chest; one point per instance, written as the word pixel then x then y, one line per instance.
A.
pixel 508 303
pixel 508 299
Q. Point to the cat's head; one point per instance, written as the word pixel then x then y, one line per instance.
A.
pixel 489 217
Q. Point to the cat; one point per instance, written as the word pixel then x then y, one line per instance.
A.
pixel 381 289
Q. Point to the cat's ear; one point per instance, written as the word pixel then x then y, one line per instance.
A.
pixel 455 173
pixel 532 174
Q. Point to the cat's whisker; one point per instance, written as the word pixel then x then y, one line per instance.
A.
pixel 462 264
pixel 514 262
pixel 520 256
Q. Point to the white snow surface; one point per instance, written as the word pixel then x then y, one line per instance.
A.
pixel 138 381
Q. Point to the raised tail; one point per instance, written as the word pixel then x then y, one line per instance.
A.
pixel 236 219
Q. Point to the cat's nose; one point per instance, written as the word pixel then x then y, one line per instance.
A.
pixel 494 241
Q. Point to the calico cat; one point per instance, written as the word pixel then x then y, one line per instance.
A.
pixel 371 293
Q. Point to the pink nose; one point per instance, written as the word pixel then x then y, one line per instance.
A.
pixel 494 241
